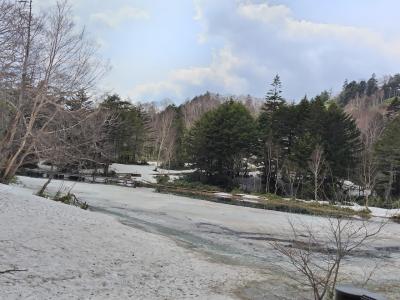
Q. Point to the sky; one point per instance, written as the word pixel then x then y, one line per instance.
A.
pixel 177 49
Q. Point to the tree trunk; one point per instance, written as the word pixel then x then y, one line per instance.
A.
pixel 390 183
pixel 316 187
pixel 44 187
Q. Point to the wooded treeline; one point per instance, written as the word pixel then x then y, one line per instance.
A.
pixel 48 68
pixel 308 150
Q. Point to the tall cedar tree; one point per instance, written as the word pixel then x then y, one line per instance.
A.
pixel 269 126
pixel 341 141
pixel 387 151
pixel 274 99
pixel 221 141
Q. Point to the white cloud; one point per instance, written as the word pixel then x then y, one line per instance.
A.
pixel 179 84
pixel 258 40
pixel 115 18
pixel 302 29
pixel 265 12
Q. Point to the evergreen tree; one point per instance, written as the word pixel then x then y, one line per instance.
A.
pixel 79 101
pixel 289 136
pixel 393 108
pixel 341 141
pixel 274 99
pixel 392 87
pixel 362 88
pixel 325 96
pixel 372 85
pixel 350 91
pixel 130 131
pixel 387 151
pixel 270 122
pixel 221 141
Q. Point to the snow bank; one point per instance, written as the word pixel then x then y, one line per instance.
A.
pixel 147 171
pixel 69 253
pixel 376 211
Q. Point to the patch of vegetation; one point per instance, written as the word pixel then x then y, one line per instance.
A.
pixel 14 180
pixel 389 101
pixel 162 179
pixel 365 211
pixel 194 185
pixel 68 198
pixel 380 202
pixel 183 186
pixel 270 202
pixel 269 196
pixel 237 191
pixel 311 208
pixel 395 218
pixel 43 195
pixel 71 199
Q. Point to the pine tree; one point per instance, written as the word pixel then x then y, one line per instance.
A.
pixel 342 143
pixel 274 99
pixel 372 85
pixel 79 101
pixel 270 122
pixel 130 131
pixel 387 151
pixel 221 141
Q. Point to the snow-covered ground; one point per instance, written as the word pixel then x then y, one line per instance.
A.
pixel 148 172
pixel 68 253
pixel 149 175
pixel 376 211
pixel 228 236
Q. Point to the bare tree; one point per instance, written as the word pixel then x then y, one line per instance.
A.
pixel 56 61
pixel 79 141
pixel 317 167
pixel 371 130
pixel 164 133
pixel 317 253
pixel 290 174
pixel 194 109
pixel 268 163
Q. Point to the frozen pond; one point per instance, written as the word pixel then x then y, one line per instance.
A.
pixel 227 234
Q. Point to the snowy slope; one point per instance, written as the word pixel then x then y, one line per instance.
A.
pixel 69 253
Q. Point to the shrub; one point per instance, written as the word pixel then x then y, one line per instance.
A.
pixel 237 191
pixel 162 179
pixel 194 185
pixel 14 180
pixel 66 199
pixel 43 195
pixel 365 211
pixel 84 206
pixel 395 218
pixel 70 199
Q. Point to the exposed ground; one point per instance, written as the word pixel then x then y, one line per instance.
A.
pixel 213 251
